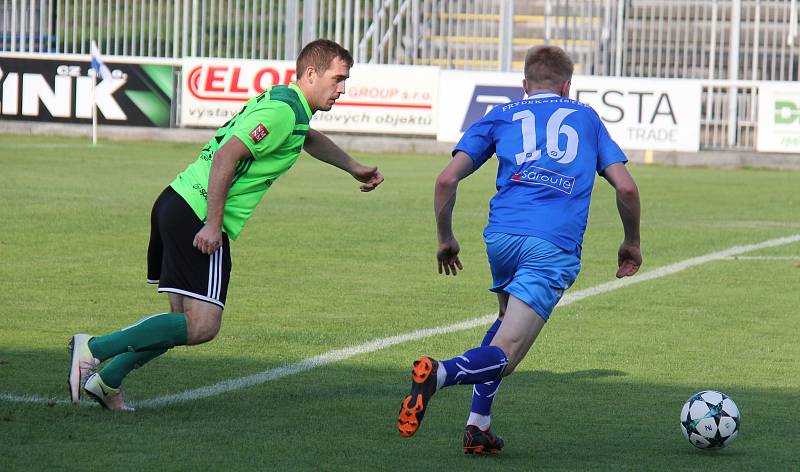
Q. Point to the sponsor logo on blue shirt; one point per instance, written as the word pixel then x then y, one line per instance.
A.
pixel 538 176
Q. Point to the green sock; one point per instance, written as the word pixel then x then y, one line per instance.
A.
pixel 122 364
pixel 161 331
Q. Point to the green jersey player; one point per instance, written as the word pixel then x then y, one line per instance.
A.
pixel 207 205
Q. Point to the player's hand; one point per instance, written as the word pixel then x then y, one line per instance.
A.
pixel 448 257
pixel 207 240
pixel 369 176
pixel 629 259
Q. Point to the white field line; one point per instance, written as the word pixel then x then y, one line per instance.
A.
pixel 763 258
pixel 29 399
pixel 378 344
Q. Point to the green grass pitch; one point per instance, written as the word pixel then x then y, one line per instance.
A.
pixel 322 266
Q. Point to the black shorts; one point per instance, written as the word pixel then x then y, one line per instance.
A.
pixel 174 263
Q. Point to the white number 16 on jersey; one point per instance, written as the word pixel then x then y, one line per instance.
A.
pixel 554 129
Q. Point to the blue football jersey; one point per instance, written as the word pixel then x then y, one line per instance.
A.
pixel 549 150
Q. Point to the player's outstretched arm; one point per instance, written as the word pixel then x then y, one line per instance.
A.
pixel 444 201
pixel 322 148
pixel 630 255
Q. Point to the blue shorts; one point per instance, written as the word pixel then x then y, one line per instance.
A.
pixel 532 269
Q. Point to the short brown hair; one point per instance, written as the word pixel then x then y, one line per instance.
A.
pixel 548 66
pixel 320 53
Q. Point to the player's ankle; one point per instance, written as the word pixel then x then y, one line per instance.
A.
pixel 441 376
pixel 481 421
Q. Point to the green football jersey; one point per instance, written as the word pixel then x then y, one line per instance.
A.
pixel 273 126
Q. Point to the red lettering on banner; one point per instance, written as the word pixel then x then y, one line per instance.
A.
pixel 212 77
pixel 258 81
pixel 235 88
pixel 374 93
pixel 233 83
pixel 260 87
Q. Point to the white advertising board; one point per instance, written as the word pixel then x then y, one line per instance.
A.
pixel 213 90
pixel 377 99
pixel 646 114
pixel 778 117
pixel 385 99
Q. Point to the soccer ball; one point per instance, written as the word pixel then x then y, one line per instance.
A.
pixel 710 419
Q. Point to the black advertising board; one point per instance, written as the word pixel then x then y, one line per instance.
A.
pixel 60 91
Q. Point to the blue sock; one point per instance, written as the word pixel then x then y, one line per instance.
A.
pixel 491 332
pixel 483 397
pixel 483 394
pixel 476 366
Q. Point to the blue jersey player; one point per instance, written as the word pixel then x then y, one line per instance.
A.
pixel 549 149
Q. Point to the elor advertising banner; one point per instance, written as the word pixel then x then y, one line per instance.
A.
pixel 778 117
pixel 378 98
pixel 58 90
pixel 646 114
pixel 214 90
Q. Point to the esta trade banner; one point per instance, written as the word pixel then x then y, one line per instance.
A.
pixel 59 90
pixel 778 117
pixel 646 114
pixel 378 98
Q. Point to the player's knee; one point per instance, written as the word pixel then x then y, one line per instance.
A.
pixel 513 361
pixel 207 332
pixel 513 351
pixel 509 369
pixel 202 327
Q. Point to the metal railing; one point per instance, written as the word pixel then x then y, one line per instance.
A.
pixel 708 39
pixel 721 42
pixel 494 35
pixel 374 30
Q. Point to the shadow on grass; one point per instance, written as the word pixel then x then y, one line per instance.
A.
pixel 342 417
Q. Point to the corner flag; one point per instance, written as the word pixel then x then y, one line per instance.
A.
pixel 100 69
pixel 97 63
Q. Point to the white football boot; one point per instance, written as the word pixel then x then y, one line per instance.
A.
pixel 108 397
pixel 82 365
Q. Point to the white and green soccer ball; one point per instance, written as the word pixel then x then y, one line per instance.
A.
pixel 710 419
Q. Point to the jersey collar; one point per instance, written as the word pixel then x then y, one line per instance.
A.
pixel 299 92
pixel 543 95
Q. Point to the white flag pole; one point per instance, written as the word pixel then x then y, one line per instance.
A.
pixel 93 74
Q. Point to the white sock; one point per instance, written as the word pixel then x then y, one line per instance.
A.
pixel 481 421
pixel 441 375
